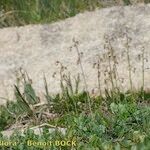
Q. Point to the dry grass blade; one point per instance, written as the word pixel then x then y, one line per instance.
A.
pixel 23 104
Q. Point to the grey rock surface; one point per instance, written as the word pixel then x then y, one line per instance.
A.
pixel 37 48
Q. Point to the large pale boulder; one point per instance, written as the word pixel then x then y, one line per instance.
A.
pixel 37 48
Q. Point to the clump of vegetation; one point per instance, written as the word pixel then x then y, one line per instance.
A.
pixel 22 12
pixel 122 125
pixel 107 125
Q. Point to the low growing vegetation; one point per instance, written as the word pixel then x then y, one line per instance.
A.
pixel 114 121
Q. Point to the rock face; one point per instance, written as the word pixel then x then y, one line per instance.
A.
pixel 117 31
